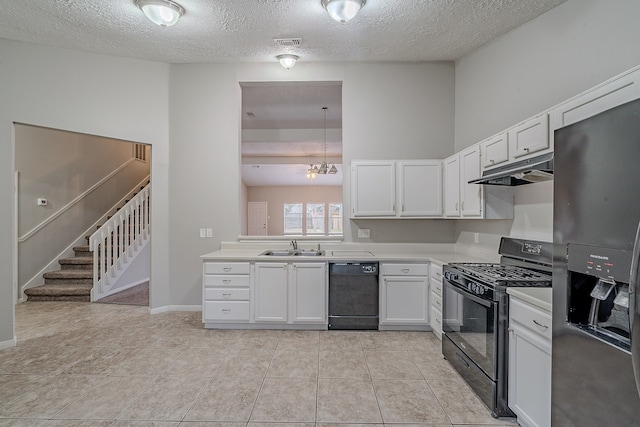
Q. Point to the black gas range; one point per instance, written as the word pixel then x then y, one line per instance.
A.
pixel 475 318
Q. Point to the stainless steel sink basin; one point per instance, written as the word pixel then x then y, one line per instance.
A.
pixel 310 253
pixel 279 252
pixel 291 252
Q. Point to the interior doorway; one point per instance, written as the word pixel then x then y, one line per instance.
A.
pixel 257 218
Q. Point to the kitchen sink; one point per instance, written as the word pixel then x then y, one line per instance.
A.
pixel 292 252
pixel 310 253
pixel 279 252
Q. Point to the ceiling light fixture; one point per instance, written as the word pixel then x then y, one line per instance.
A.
pixel 323 168
pixel 343 10
pixel 287 60
pixel 162 12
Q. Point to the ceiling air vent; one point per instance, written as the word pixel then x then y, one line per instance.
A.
pixel 290 42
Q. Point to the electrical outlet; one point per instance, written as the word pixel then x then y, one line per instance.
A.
pixel 476 237
pixel 364 233
pixel 42 202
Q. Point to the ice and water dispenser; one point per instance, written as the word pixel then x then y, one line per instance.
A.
pixel 598 292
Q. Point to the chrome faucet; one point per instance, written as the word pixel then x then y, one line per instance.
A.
pixel 294 244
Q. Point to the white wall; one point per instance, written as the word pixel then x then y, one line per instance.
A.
pixel 94 94
pixel 569 49
pixel 276 197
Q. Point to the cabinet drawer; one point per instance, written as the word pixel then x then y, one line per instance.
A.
pixel 529 317
pixel 404 269
pixel 227 268
pixel 226 310
pixel 436 301
pixel 435 321
pixel 227 294
pixel 436 287
pixel 436 272
pixel 227 281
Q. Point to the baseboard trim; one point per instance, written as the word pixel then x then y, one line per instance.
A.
pixel 8 343
pixel 167 308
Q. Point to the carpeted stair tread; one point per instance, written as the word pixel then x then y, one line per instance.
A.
pixel 59 293
pixel 69 274
pixel 76 260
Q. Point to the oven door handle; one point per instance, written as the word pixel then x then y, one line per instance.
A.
pixel 467 294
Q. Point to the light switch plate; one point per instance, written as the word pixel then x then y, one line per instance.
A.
pixel 209 232
pixel 203 232
pixel 364 233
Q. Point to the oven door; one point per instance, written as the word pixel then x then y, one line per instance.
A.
pixel 470 323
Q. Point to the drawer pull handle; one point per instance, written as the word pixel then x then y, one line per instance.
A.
pixel 227 269
pixel 226 310
pixel 437 320
pixel 225 281
pixel 438 288
pixel 438 274
pixel 540 324
pixel 438 302
pixel 462 360
pixel 226 295
pixel 405 270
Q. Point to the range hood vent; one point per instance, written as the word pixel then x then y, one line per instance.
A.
pixel 529 171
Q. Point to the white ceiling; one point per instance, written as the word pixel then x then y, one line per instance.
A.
pixel 243 30
pixel 219 31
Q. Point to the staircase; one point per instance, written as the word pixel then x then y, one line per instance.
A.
pixel 73 282
pixel 115 243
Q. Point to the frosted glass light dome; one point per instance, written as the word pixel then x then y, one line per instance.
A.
pixel 343 10
pixel 162 12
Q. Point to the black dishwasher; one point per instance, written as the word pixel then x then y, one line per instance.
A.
pixel 353 295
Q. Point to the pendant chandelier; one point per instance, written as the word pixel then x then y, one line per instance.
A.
pixel 323 168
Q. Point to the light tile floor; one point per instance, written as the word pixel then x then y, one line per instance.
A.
pixel 79 364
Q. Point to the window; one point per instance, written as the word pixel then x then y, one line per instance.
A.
pixel 293 218
pixel 303 219
pixel 335 218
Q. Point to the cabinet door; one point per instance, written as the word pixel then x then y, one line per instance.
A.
pixel 270 292
pixel 495 150
pixel 530 377
pixel 452 186
pixel 420 188
pixel 608 95
pixel 529 137
pixel 470 194
pixel 308 293
pixel 404 300
pixel 373 189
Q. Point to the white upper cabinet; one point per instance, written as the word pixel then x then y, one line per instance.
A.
pixel 452 186
pixel 529 138
pixel 420 188
pixel 495 150
pixel 391 189
pixel 610 94
pixel 470 194
pixel 373 188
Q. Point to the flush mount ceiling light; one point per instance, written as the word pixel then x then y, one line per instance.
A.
pixel 343 10
pixel 287 60
pixel 162 12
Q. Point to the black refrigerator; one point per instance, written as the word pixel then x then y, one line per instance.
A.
pixel 596 328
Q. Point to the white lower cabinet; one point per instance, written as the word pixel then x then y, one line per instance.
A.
pixel 290 293
pixel 308 293
pixel 435 285
pixel 270 292
pixel 404 296
pixel 226 292
pixel 529 363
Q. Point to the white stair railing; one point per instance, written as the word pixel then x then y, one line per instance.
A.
pixel 116 243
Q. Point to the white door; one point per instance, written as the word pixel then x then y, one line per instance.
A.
pixel 257 219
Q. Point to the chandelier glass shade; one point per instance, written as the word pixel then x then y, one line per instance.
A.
pixel 343 10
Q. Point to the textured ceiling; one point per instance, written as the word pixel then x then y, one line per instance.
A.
pixel 218 31
pixel 243 30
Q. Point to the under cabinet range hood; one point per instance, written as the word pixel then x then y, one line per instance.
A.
pixel 535 169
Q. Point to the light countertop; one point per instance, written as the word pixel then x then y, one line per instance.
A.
pixel 538 297
pixel 378 254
